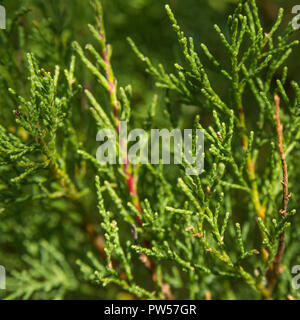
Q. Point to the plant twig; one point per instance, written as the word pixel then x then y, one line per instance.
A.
pixel 259 207
pixel 275 269
pixel 128 169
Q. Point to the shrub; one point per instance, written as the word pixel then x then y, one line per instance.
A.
pixel 230 232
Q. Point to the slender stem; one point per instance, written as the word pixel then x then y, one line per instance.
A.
pixel 275 269
pixel 237 91
pixel 131 176
pixel 259 208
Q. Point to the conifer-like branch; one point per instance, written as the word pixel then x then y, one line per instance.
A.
pixel 214 235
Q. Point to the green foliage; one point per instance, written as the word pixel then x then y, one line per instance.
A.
pixel 158 233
